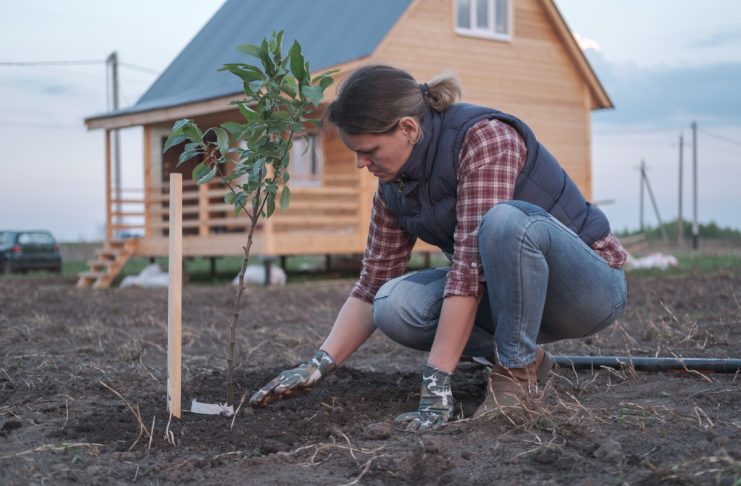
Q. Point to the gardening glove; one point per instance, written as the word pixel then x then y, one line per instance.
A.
pixel 435 403
pixel 295 381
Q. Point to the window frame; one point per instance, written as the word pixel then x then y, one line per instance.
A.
pixel 310 164
pixel 488 33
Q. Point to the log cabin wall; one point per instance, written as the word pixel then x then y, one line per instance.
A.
pixel 531 76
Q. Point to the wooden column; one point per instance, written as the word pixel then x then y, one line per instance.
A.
pixel 175 295
pixel 147 180
pixel 203 224
pixel 108 202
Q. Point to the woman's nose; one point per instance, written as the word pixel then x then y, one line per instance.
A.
pixel 362 161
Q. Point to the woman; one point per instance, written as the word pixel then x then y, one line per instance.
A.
pixel 474 182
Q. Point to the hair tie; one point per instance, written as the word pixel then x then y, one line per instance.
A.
pixel 425 89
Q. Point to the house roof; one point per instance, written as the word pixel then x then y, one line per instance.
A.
pixel 331 32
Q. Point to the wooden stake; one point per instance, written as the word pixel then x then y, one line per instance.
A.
pixel 175 296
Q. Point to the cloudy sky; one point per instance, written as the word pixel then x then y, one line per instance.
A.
pixel 664 63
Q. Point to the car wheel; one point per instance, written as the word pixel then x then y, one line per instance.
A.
pixel 8 267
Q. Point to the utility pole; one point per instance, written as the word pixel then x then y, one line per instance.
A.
pixel 644 178
pixel 680 220
pixel 643 170
pixel 112 64
pixel 695 228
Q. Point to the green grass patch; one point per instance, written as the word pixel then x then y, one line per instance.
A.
pixel 693 264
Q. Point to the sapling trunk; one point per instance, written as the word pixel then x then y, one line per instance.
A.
pixel 238 298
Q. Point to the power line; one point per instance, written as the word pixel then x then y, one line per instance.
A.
pixel 51 63
pixel 129 65
pixel 634 130
pixel 136 67
pixel 720 137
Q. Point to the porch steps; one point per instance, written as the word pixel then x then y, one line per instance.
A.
pixel 109 262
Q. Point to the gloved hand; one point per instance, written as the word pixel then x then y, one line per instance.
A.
pixel 295 381
pixel 435 404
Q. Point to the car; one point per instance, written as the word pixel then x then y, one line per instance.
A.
pixel 22 250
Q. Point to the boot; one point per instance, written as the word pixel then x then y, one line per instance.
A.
pixel 507 387
pixel 543 362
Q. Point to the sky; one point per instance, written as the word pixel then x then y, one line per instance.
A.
pixel 664 63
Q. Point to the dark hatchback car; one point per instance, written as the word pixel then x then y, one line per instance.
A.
pixel 29 250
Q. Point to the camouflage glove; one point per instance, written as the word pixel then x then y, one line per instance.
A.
pixel 295 381
pixel 435 404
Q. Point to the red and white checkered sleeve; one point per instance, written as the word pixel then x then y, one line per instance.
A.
pixel 492 155
pixel 387 252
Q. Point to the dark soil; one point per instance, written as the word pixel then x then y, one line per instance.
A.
pixel 59 424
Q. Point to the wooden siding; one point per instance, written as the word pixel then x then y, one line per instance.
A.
pixel 532 76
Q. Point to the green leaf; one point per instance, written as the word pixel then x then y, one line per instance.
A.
pixel 278 44
pixel 313 93
pixel 234 128
pixel 193 133
pixel 286 177
pixel 245 72
pixel 265 58
pixel 222 139
pixel 248 113
pixel 271 204
pixel 199 171
pixel 289 86
pixel 208 176
pixel 285 196
pixel 180 124
pixel 172 140
pixel 187 155
pixel 250 50
pixel 298 67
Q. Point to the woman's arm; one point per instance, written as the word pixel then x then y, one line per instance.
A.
pixel 492 154
pixel 454 329
pixel 354 324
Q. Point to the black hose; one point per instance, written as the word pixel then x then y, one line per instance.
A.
pixel 649 364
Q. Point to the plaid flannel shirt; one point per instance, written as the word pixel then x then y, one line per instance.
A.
pixel 491 157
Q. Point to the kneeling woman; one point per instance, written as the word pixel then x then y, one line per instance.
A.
pixel 531 261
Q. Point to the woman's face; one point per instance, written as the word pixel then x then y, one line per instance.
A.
pixel 384 154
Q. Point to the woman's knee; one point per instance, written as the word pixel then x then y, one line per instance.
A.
pixel 407 320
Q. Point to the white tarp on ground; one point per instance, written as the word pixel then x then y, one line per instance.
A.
pixel 255 275
pixel 151 277
pixel 654 260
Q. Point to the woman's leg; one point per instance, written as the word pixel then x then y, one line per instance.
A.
pixel 543 282
pixel 407 310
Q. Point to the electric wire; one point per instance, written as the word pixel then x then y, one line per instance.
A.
pixel 720 137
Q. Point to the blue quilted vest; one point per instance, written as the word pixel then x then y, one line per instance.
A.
pixel 423 197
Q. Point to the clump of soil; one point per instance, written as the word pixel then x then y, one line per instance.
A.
pixel 64 349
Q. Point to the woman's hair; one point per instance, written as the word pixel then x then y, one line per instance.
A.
pixel 374 98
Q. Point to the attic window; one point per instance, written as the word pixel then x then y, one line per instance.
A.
pixel 306 161
pixel 491 19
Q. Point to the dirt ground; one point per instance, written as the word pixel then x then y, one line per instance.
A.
pixel 64 351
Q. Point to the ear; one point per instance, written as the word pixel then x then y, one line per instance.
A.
pixel 410 128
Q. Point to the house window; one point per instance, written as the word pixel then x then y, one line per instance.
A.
pixel 306 161
pixel 484 18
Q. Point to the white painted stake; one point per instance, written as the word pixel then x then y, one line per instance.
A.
pixel 175 296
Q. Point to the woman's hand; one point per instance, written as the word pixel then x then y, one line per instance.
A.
pixel 295 381
pixel 435 403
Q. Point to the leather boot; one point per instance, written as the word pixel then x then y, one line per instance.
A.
pixel 507 387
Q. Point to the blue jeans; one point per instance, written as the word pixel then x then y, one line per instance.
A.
pixel 543 284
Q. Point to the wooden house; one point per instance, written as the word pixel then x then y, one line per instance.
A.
pixel 515 55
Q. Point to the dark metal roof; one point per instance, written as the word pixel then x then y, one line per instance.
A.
pixel 331 32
